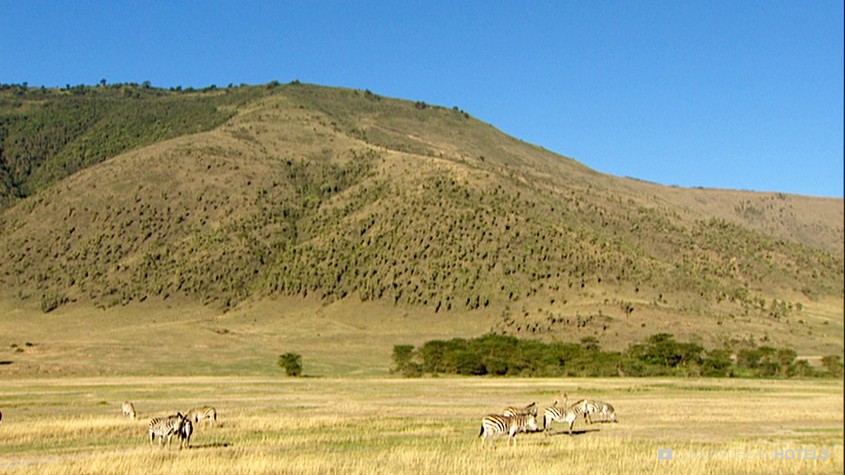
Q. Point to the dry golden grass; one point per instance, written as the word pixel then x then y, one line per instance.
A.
pixel 341 339
pixel 184 338
pixel 369 425
pixel 61 399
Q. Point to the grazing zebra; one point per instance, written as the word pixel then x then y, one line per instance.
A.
pixel 557 414
pixel 586 407
pixel 185 433
pixel 606 411
pixel 590 407
pixel 521 411
pixel 169 426
pixel 495 424
pixel 203 412
pixel 128 409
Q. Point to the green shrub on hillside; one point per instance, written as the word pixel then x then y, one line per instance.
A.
pixel 52 301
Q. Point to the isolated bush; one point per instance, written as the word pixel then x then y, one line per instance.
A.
pixel 292 364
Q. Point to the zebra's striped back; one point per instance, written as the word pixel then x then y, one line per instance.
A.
pixel 587 407
pixel 607 412
pixel 559 414
pixel 169 426
pixel 128 409
pixel 521 411
pixel 203 412
pixel 495 424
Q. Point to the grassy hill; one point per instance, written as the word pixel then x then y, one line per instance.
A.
pixel 130 195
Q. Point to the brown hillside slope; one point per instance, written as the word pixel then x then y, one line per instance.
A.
pixel 345 195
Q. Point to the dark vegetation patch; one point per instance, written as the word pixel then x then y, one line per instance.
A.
pixel 49 134
pixel 660 355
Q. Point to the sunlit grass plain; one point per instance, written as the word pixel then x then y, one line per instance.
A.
pixel 65 374
pixel 388 425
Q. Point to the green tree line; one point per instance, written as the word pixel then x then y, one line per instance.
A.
pixel 659 355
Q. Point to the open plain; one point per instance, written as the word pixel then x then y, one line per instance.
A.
pixel 65 374
pixel 166 247
pixel 70 425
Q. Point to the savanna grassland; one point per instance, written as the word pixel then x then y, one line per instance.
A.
pixel 374 425
pixel 66 373
pixel 167 246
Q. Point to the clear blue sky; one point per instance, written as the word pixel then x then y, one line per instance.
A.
pixel 734 94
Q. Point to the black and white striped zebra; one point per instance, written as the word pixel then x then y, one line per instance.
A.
pixel 128 409
pixel 605 410
pixel 521 411
pixel 185 434
pixel 203 412
pixel 566 415
pixel 586 407
pixel 169 426
pixel 495 424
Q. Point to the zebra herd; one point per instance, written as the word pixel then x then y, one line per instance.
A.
pixel 514 420
pixel 179 425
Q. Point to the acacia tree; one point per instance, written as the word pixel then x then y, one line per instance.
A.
pixel 292 363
